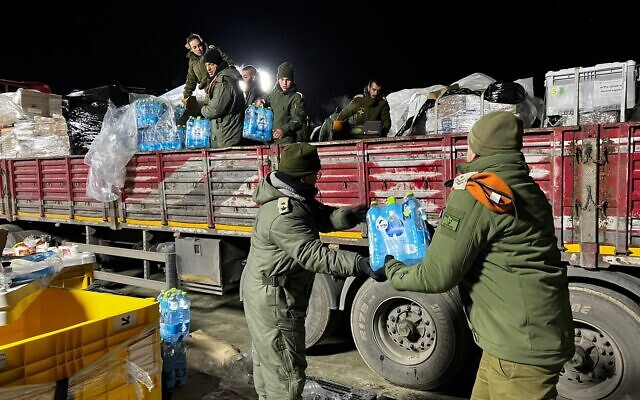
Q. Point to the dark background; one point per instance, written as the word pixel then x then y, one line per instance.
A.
pixel 335 46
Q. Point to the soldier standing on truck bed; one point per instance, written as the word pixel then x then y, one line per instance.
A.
pixel 286 253
pixel 197 75
pixel 290 120
pixel 496 241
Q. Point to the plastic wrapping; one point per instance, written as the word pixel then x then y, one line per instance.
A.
pixel 406 103
pixel 174 96
pixel 474 96
pixel 156 124
pixel 134 362
pixel 313 391
pixel 110 153
pixel 10 111
pixel 84 118
pixel 41 137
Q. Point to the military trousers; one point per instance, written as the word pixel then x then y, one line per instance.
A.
pixel 505 380
pixel 277 331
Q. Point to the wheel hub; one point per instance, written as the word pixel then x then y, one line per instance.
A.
pixel 594 360
pixel 410 327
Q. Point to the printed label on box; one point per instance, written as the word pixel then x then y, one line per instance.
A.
pixel 124 321
pixel 608 88
pixel 3 359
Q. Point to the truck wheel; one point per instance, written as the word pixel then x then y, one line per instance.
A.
pixel 606 364
pixel 415 340
pixel 321 320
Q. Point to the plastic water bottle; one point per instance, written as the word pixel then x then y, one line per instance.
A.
pixel 396 237
pixel 264 124
pixel 180 363
pixel 168 365
pixel 249 125
pixel 416 228
pixel 377 246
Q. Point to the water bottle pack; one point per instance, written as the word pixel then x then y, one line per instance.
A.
pixel 178 111
pixel 155 132
pixel 174 364
pixel 175 318
pixel 397 229
pixel 175 315
pixel 258 123
pixel 197 133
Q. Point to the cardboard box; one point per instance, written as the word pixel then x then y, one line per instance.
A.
pixel 36 103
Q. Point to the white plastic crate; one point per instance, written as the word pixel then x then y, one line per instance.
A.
pixel 607 87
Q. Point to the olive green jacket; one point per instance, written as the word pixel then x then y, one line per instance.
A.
pixel 289 114
pixel 197 75
pixel 225 106
pixel 286 243
pixel 364 108
pixel 507 267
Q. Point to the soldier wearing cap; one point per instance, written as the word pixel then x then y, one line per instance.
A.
pixel 496 242
pixel 286 253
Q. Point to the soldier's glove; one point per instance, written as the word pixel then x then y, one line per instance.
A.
pixel 356 214
pixel 365 268
pixel 337 126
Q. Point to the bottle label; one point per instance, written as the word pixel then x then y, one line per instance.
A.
pixel 381 224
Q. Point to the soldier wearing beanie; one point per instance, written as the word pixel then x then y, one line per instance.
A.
pixel 197 75
pixel 286 253
pixel 496 242
pixel 224 104
pixel 290 121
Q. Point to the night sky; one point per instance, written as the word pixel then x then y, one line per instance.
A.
pixel 334 47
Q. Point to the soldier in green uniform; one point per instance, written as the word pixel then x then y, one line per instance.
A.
pixel 290 120
pixel 286 253
pixel 369 106
pixel 197 75
pixel 224 104
pixel 496 242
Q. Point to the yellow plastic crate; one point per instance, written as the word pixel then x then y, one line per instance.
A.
pixel 63 331
pixel 74 277
pixel 123 373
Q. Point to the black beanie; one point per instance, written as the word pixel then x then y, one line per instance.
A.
pixel 285 70
pixel 212 56
pixel 299 159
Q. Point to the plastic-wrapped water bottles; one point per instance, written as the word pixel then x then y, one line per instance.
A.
pixel 249 125
pixel 180 364
pixel 168 365
pixel 175 318
pixel 264 124
pixel 398 230
pixel 174 315
pixel 411 209
pixel 178 111
pixel 198 133
pixel 377 244
pixel 258 123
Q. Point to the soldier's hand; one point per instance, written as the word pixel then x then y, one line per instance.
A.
pixel 184 101
pixel 259 102
pixel 365 268
pixel 357 214
pixel 278 133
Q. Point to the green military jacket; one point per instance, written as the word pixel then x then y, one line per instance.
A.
pixel 225 108
pixel 286 243
pixel 289 114
pixel 508 267
pixel 364 108
pixel 197 74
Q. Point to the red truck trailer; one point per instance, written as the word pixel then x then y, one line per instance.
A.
pixel 590 174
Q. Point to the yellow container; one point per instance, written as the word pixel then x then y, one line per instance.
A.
pixel 64 331
pixel 74 277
